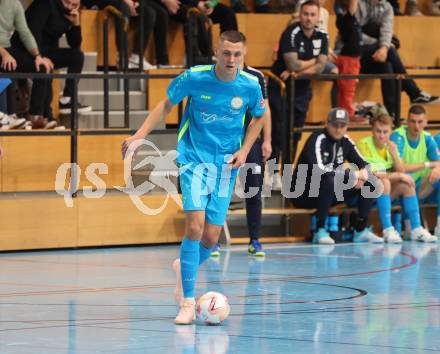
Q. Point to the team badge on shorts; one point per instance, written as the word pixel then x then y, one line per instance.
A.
pixel 237 102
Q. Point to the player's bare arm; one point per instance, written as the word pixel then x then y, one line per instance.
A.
pixel 157 115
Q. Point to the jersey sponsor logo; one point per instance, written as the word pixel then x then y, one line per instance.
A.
pixel 317 43
pixel 236 102
pixel 205 97
pixel 212 117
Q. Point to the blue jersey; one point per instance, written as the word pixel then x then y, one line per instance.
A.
pixel 437 139
pixel 431 145
pixel 213 120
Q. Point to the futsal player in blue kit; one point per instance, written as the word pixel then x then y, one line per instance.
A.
pixel 210 150
pixel 421 157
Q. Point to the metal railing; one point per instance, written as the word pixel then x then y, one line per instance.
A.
pixel 123 56
pixel 123 59
pixel 74 131
pixel 289 152
pixel 288 99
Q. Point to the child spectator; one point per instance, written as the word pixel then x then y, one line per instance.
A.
pixel 348 61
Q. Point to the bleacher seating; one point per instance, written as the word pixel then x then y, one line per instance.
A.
pixel 41 156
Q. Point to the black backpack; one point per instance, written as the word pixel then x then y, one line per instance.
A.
pixel 198 38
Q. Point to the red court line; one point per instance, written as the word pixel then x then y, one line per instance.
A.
pixel 78 289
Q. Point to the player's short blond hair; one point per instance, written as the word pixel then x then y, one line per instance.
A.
pixel 233 37
pixel 384 119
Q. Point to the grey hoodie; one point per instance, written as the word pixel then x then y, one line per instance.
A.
pixel 378 15
pixel 377 21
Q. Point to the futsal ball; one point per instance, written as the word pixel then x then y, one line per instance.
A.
pixel 213 308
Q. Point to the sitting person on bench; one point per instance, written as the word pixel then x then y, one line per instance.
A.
pixel 324 182
pixel 385 163
pixel 421 158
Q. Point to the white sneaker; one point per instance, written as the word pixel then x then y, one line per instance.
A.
pixel 422 235
pixel 437 231
pixel 366 236
pixel 133 63
pixel 178 291
pixel 276 182
pixel 390 235
pixel 11 122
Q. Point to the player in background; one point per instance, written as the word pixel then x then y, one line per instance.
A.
pixel 385 163
pixel 421 158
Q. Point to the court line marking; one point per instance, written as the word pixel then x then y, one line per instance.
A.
pixel 274 338
pixel 277 277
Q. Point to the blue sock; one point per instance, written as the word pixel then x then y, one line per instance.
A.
pixel 204 253
pixel 384 209
pixel 189 265
pixel 411 207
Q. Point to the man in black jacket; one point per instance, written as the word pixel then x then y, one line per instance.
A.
pixel 324 181
pixel 48 20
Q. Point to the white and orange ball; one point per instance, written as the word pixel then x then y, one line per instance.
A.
pixel 213 308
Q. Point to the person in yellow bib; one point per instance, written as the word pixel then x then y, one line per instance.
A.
pixel 421 160
pixel 386 164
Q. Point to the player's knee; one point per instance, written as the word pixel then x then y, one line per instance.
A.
pixel 210 239
pixel 407 190
pixel 194 229
pixel 386 185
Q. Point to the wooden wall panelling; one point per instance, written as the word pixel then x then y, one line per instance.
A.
pixel 36 222
pixel 31 162
pixel 157 92
pixel 115 220
pixel 102 149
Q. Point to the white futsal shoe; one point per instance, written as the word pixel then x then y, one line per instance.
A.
pixel 390 235
pixel 187 313
pixel 422 235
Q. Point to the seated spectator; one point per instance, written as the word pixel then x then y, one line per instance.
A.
pixel 348 60
pixel 260 6
pixel 24 57
pixel 216 11
pixel 155 22
pixel 420 155
pixel 323 155
pixel 48 20
pixel 385 163
pixel 303 50
pixel 330 67
pixel 379 56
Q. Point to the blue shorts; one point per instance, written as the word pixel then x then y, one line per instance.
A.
pixel 204 189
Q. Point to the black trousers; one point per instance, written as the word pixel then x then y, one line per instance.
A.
pixel 327 198
pixel 253 179
pixel 156 20
pixel 70 58
pixel 393 65
pixel 26 64
pixel 221 14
